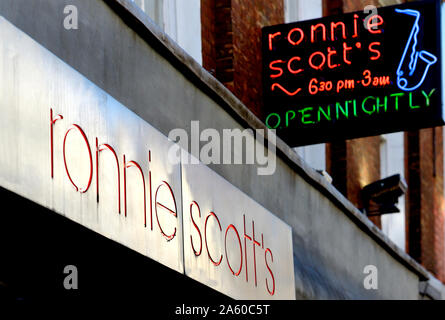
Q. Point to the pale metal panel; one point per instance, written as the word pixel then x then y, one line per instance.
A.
pixel 32 81
pixel 204 188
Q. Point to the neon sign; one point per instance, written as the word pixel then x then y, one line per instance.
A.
pixel 352 75
pixel 425 56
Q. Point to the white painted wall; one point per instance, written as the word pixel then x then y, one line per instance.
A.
pixel 180 19
pixel 392 162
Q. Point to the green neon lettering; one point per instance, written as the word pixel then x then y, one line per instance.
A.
pixel 354 104
pixel 373 106
pixel 411 102
pixel 278 120
pixel 428 96
pixel 321 111
pixel 345 111
pixel 304 116
pixel 379 105
pixel 287 117
pixel 396 96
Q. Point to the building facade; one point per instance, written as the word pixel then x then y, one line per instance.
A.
pixel 132 72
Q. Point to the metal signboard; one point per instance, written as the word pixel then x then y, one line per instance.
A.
pixel 232 243
pixel 71 147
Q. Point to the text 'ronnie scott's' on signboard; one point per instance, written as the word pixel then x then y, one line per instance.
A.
pixel 354 75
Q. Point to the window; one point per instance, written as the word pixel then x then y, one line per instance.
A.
pixel 392 161
pixel 296 10
pixel 180 19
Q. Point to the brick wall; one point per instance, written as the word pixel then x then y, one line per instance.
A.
pixel 355 5
pixel 234 55
pixel 208 35
pixel 217 39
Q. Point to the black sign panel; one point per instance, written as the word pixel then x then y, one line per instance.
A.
pixel 354 75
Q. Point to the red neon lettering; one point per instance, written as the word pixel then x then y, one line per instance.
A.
pixel 173 212
pixel 205 237
pixel 331 53
pixel 334 25
pixel 355 35
pixel 289 36
pixel 280 71
pixel 271 292
pixel 76 127
pixel 52 122
pixel 289 65
pixel 129 165
pixel 373 25
pixel 100 148
pixel 240 248
pixel 314 29
pixel 313 89
pixel 384 81
pixel 345 53
pixel 197 253
pixel 271 36
pixel 277 85
pixel 367 76
pixel 377 52
pixel 323 60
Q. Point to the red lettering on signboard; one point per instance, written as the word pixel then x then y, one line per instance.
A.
pixel 277 85
pixel 270 279
pixel 197 253
pixel 271 292
pixel 375 51
pixel 331 52
pixel 346 49
pixel 211 214
pixel 293 71
pixel 100 148
pixel 129 165
pixel 334 26
pixel 314 29
pixel 254 243
pixel 173 212
pixel 355 35
pixel 52 122
pixel 151 190
pixel 289 36
pixel 321 64
pixel 280 70
pixel 240 248
pixel 76 127
pixel 271 36
pixel 374 23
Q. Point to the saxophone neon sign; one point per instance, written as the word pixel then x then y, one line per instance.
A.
pixel 428 59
